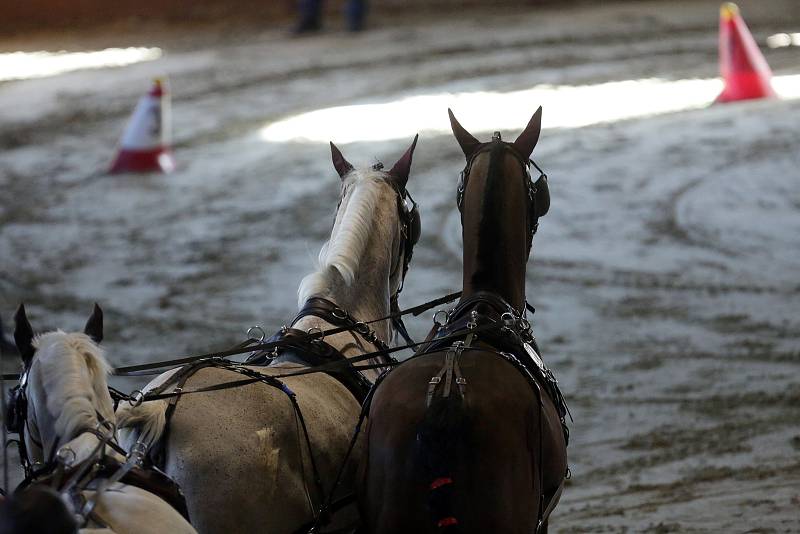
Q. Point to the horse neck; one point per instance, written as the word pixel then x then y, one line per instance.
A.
pixel 367 295
pixel 494 231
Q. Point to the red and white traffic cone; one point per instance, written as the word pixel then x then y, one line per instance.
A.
pixel 145 144
pixel 742 65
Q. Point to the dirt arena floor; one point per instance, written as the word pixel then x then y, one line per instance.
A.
pixel 665 277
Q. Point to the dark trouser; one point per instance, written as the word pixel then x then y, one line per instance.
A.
pixel 356 13
pixel 311 14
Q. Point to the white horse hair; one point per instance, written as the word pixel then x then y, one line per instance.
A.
pixel 351 232
pixel 75 391
pixel 68 394
pixel 238 453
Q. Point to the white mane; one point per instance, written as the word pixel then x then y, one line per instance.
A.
pixel 73 369
pixel 350 235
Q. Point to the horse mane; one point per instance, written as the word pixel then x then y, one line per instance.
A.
pixel 73 371
pixel 341 254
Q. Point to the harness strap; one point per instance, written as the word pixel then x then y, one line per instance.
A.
pixel 451 369
pixel 329 505
pixel 251 345
pixel 253 377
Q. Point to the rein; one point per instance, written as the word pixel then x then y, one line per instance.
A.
pixel 137 397
pixel 252 345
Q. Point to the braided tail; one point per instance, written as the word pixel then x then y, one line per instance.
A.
pixel 438 436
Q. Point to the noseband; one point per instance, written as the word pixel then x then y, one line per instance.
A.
pixel 538 192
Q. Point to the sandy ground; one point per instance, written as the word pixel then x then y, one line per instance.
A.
pixel 665 275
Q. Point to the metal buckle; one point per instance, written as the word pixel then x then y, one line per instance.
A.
pixel 361 328
pixel 437 314
pixel 256 328
pixel 315 330
pixel 473 320
pixel 339 313
pixel 66 456
pixel 138 452
pixel 435 380
pixel 136 398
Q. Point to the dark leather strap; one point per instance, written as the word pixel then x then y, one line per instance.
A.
pixel 295 346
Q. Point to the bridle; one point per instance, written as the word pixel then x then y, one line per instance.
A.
pixel 538 191
pixel 17 421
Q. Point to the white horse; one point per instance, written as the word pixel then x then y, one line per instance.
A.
pixel 66 419
pixel 246 459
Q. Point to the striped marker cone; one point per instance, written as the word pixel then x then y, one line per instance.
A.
pixel 144 146
pixel 742 65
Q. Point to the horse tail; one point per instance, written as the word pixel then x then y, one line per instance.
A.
pixel 439 433
pixel 144 423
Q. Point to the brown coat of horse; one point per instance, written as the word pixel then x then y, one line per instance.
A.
pixel 484 462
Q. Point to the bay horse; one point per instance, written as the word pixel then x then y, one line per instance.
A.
pixel 64 414
pixel 469 436
pixel 262 457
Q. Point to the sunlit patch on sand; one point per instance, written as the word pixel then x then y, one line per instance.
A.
pixel 26 65
pixel 565 106
pixel 782 40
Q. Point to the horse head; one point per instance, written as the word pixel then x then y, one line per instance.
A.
pixel 63 391
pixel 375 229
pixel 500 208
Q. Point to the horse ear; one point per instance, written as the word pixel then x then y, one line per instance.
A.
pixel 465 139
pixel 400 171
pixel 94 326
pixel 23 335
pixel 530 135
pixel 341 165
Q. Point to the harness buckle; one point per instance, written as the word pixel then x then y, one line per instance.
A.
pixel 66 456
pixel 315 331
pixel 473 320
pixel 339 313
pixel 256 328
pixel 136 398
pixel 435 380
pixel 438 314
pixel 361 328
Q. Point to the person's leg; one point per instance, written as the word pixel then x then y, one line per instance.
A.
pixel 310 16
pixel 356 14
